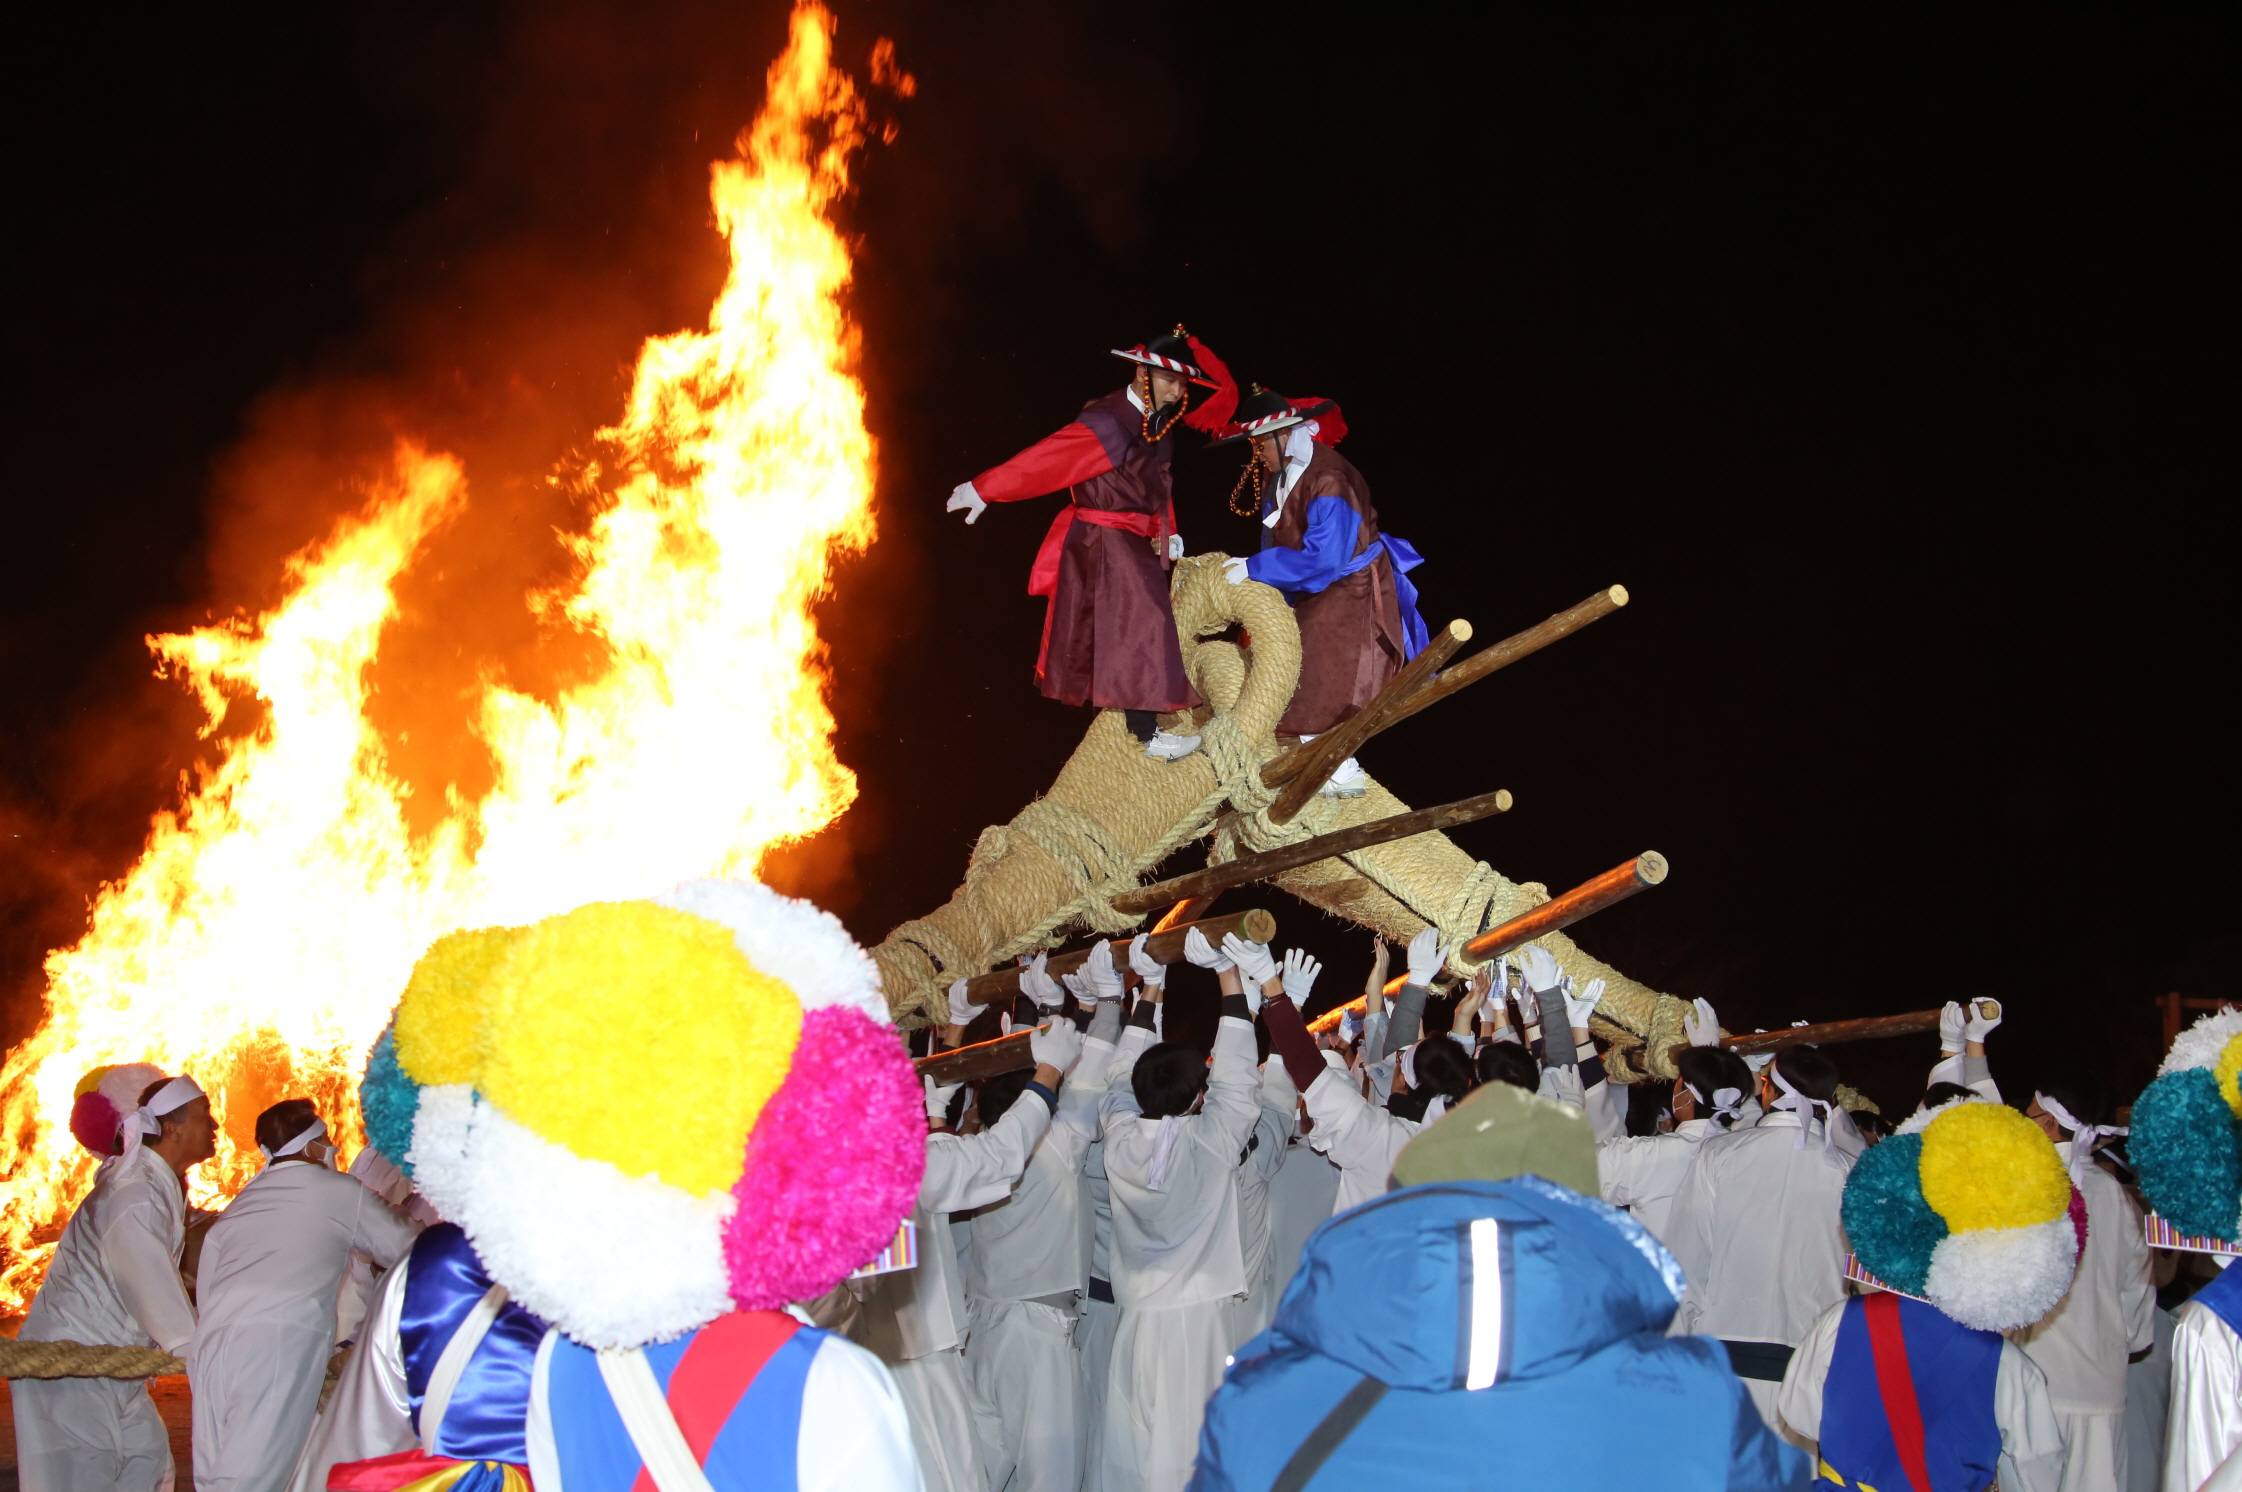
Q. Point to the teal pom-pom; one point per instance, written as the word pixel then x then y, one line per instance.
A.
pixel 389 1100
pixel 2188 1149
pixel 1891 1228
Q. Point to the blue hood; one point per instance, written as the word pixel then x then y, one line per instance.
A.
pixel 1385 1288
pixel 1472 1334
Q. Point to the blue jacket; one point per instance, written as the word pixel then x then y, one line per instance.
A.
pixel 1487 1334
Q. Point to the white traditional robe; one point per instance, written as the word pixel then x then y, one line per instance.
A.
pixel 2205 1428
pixel 1642 1172
pixel 1265 1151
pixel 1029 1265
pixel 114 1282
pixel 1755 1229
pixel 266 1286
pixel 1301 1197
pixel 915 1319
pixel 2082 1345
pixel 1176 1260
pixel 1360 1139
pixel 2031 1433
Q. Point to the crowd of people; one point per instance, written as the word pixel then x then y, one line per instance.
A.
pixel 1437 1255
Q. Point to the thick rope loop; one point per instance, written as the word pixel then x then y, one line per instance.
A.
pixel 65 1359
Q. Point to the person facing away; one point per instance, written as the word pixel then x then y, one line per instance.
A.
pixel 1488 1323
pixel 272 1268
pixel 1109 637
pixel 1712 1096
pixel 2109 1314
pixel 1755 1224
pixel 115 1282
pixel 1172 1134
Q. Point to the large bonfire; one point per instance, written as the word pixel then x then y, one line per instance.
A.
pixel 269 924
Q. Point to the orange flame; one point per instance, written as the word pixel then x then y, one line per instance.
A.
pixel 265 932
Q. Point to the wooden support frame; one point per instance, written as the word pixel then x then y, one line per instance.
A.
pixel 1614 886
pixel 1832 1033
pixel 1324 754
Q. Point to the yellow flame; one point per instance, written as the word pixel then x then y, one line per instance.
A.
pixel 263 936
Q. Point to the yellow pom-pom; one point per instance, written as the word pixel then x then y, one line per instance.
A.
pixel 2228 1070
pixel 1987 1166
pixel 92 1080
pixel 641 1036
pixel 443 1004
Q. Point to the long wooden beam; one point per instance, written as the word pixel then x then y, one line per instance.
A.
pixel 1219 878
pixel 1303 760
pixel 983 1059
pixel 1255 926
pixel 1830 1033
pixel 1342 740
pixel 1559 912
pixel 1502 654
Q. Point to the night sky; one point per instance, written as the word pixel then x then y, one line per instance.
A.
pixel 1879 357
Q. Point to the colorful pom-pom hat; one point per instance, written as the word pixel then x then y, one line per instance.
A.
pixel 2187 1131
pixel 102 1099
pixel 647 1114
pixel 1969 1207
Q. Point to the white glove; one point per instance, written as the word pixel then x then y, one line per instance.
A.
pixel 961 1012
pixel 1198 950
pixel 1425 957
pixel 1350 1028
pixel 1951 1023
pixel 1578 1011
pixel 1084 996
pixel 1098 972
pixel 1038 985
pixel 1699 1024
pixel 1235 571
pixel 1255 965
pixel 1539 966
pixel 1055 1044
pixel 1148 968
pixel 1983 1015
pixel 1300 971
pixel 1175 546
pixel 1757 1060
pixel 964 499
pixel 938 1098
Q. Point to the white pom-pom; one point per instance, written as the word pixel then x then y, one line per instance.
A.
pixel 790 940
pixel 2000 1279
pixel 2200 1044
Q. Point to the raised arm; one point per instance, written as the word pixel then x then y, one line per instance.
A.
pixel 1962 1030
pixel 1333 531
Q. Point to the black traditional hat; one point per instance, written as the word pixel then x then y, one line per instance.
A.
pixel 1265 412
pixel 1172 352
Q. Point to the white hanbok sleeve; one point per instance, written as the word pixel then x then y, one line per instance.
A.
pixel 968 1171
pixel 136 1250
pixel 385 1233
pixel 1689 1236
pixel 854 1436
pixel 1120 1097
pixel 2031 1435
pixel 1627 1168
pixel 1233 1100
pixel 1799 1400
pixel 1357 1138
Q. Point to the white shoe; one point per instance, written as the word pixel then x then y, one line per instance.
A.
pixel 1347 782
pixel 1168 747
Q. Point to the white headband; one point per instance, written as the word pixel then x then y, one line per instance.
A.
pixel 146 1122
pixel 1436 1108
pixel 1728 1103
pixel 295 1146
pixel 1799 1104
pixel 2083 1136
pixel 1409 1066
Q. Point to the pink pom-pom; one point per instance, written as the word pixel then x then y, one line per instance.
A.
pixel 2078 1217
pixel 833 1163
pixel 94 1120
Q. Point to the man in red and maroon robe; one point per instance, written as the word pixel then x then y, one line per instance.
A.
pixel 1109 637
pixel 1321 546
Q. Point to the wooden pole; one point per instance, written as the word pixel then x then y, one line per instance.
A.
pixel 1255 926
pixel 1511 649
pixel 1335 745
pixel 1830 1033
pixel 1217 878
pixel 1609 889
pixel 1190 909
pixel 983 1059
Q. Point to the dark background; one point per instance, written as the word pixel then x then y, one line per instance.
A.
pixel 1884 359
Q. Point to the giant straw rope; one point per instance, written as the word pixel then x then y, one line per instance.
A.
pixel 1114 814
pixel 67 1359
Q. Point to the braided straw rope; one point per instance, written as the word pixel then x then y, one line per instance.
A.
pixel 19 1359
pixel 1115 813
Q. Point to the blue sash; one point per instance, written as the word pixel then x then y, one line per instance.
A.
pixel 1954 1368
pixel 442 1284
pixel 755 1450
pixel 1405 559
pixel 2223 1297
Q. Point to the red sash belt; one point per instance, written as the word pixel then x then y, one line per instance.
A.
pixel 1043 579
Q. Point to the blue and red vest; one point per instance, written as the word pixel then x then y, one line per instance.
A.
pixel 2223 1297
pixel 734 1387
pixel 1908 1405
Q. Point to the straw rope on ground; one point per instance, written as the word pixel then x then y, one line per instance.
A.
pixel 65 1359
pixel 1114 814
